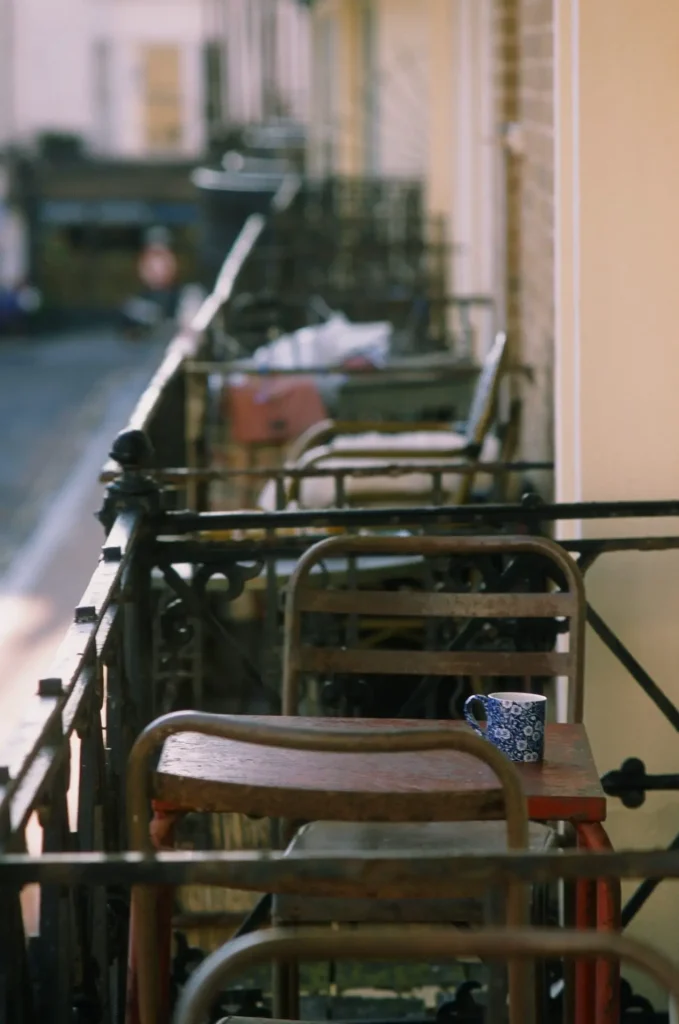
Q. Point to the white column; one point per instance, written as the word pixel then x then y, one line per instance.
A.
pixel 474 144
pixel 617 366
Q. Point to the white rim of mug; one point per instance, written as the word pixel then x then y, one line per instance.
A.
pixel 518 698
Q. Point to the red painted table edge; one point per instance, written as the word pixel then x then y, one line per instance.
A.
pixel 587 809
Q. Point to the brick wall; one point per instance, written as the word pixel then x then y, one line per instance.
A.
pixel 523 51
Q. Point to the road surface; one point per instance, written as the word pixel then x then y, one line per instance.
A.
pixel 55 393
pixel 62 400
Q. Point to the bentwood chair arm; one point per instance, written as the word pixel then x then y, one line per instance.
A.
pixel 414 943
pixel 323 433
pixel 300 738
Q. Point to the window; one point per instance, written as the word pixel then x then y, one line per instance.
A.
pixel 161 98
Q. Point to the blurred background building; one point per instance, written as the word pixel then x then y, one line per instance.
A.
pixel 105 108
pixel 148 78
pixel 546 132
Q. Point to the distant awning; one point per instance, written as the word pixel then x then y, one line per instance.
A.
pixel 120 212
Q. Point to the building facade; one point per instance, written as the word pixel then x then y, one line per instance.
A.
pixel 110 104
pixel 148 78
pixel 552 132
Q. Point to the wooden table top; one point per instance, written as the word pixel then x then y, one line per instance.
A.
pixel 211 774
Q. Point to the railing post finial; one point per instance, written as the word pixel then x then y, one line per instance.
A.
pixel 134 488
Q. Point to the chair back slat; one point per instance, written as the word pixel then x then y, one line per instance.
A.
pixel 433 663
pixel 318 443
pixel 567 604
pixel 486 606
pixel 485 392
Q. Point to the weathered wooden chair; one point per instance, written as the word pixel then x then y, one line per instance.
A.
pixel 384 607
pixel 369 481
pixel 562 598
pixel 338 446
pixel 488 600
pixel 201 768
pixel 407 438
pixel 199 775
pixel 229 962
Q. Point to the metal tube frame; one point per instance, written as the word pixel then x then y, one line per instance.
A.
pixel 300 738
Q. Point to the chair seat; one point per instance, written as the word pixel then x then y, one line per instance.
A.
pixel 467 837
pixel 419 442
pixel 320 492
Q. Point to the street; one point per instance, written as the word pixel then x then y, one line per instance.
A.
pixel 62 400
pixel 55 392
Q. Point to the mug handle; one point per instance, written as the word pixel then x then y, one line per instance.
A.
pixel 482 699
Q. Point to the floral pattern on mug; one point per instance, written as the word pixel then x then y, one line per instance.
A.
pixel 514 726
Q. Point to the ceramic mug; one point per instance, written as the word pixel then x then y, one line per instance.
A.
pixel 515 723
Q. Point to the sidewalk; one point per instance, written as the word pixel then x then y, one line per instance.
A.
pixel 48 574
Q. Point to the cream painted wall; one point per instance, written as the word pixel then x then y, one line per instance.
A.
pixel 403 100
pixel 472 210
pixel 324 99
pixel 436 118
pixel 349 89
pixel 462 147
pixel 618 369
pixel 441 134
pixel 403 85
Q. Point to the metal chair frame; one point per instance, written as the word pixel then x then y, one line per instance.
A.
pixel 144 957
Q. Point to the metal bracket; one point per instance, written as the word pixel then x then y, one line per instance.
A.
pixel 133 489
pixel 630 783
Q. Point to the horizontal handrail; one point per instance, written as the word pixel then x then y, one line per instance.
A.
pixel 444 370
pixel 337 875
pixel 179 474
pixel 34 749
pixel 248 369
pixel 528 512
pixel 260 544
pixel 231 267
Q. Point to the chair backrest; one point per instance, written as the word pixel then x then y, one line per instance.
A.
pixel 477 424
pixel 377 468
pixel 490 599
pixel 507 486
pixel 483 403
pixel 238 956
pixel 465 804
pixel 317 434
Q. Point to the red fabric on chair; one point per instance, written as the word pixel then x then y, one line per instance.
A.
pixel 266 410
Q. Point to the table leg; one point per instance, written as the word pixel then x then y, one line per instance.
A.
pixel 162 837
pixel 585 971
pixel 608 900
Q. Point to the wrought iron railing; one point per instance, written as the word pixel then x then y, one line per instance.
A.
pixel 130 635
pixel 157 615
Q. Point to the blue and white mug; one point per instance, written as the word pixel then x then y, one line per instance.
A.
pixel 515 723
